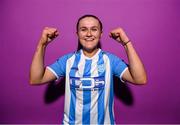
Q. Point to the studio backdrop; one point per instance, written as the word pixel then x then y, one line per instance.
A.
pixel 152 25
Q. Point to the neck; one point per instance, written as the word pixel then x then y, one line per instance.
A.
pixel 90 53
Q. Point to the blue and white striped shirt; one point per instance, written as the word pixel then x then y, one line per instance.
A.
pixel 89 92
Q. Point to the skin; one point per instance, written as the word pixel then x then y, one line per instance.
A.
pixel 89 34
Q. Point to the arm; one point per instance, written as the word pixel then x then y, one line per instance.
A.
pixel 38 72
pixel 136 72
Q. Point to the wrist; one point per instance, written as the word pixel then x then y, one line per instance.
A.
pixel 41 45
pixel 125 43
pixel 42 42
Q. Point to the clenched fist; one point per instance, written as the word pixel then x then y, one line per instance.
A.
pixel 48 35
pixel 119 35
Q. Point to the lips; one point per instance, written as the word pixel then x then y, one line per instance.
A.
pixel 89 39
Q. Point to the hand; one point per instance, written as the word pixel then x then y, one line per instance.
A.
pixel 119 35
pixel 48 35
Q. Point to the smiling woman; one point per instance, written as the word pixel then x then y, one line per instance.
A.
pixel 89 33
pixel 89 72
pixel 94 31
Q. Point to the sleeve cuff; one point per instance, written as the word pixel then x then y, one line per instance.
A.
pixel 49 68
pixel 122 74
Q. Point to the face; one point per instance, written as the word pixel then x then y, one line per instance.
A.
pixel 89 33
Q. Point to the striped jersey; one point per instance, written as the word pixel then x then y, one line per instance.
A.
pixel 89 92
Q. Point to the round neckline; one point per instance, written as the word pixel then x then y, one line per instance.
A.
pixel 94 56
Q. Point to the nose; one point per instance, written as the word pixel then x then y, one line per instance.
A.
pixel 89 33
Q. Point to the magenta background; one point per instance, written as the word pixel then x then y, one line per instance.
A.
pixel 152 25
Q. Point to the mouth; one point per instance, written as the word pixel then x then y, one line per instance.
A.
pixel 89 39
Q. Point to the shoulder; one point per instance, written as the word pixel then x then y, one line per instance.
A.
pixel 110 55
pixel 66 57
pixel 114 59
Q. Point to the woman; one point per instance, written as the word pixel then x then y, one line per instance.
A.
pixel 89 72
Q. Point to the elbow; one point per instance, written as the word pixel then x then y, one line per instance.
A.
pixel 33 82
pixel 142 81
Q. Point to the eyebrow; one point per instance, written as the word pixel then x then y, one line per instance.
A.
pixel 90 27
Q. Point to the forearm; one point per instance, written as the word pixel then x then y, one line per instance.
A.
pixel 37 67
pixel 136 67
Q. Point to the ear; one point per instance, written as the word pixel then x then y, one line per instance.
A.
pixel 77 33
pixel 101 33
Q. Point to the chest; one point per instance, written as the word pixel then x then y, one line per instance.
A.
pixel 88 74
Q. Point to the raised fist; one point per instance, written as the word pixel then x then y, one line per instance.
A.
pixel 119 35
pixel 48 35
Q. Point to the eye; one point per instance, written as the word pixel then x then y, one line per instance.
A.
pixel 94 29
pixel 83 29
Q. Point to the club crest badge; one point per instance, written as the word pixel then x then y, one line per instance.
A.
pixel 101 68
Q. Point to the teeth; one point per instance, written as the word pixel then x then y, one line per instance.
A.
pixel 89 39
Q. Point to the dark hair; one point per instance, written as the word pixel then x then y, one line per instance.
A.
pixel 89 15
pixel 77 25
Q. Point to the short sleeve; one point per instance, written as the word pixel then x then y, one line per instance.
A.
pixel 58 68
pixel 118 66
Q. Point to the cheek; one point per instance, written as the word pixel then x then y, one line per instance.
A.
pixel 98 35
pixel 81 35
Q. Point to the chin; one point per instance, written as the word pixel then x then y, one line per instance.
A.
pixel 89 49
